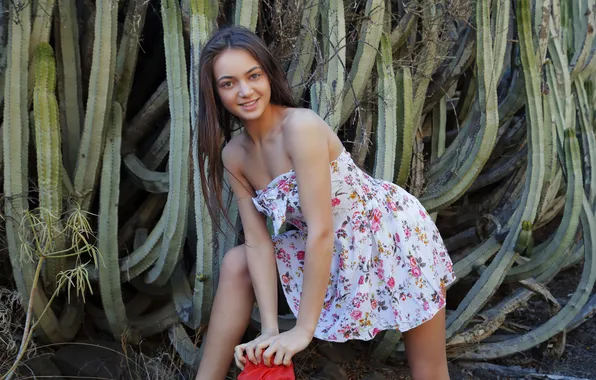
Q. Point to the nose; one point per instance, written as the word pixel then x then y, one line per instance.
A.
pixel 245 89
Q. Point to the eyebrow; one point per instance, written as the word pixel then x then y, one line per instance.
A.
pixel 228 76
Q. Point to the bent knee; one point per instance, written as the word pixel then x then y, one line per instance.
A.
pixel 234 264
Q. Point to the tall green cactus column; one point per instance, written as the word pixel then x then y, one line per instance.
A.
pixel 175 211
pixel 205 266
pixel 101 85
pixel 109 273
pixel 15 148
pixel 15 139
pixel 49 156
pixel 387 121
pixel 334 49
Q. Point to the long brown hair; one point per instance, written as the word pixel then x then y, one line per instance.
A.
pixel 215 122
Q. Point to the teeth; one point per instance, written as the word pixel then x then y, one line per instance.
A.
pixel 249 104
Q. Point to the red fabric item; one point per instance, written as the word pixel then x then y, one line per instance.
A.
pixel 262 372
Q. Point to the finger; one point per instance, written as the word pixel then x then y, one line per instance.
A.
pixel 269 352
pixel 279 357
pixel 287 359
pixel 239 351
pixel 250 354
pixel 239 363
pixel 260 348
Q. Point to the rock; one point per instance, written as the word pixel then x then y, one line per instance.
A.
pixel 40 366
pixel 330 371
pixel 101 359
pixel 338 353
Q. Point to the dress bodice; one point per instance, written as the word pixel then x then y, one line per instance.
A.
pixel 280 199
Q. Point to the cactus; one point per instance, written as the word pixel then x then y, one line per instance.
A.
pixel 155 107
pixel 49 158
pixel 101 84
pixel 563 238
pixel 177 203
pixel 583 25
pixel 148 180
pixel 69 86
pixel 405 125
pixel 482 128
pixel 203 227
pixel 247 13
pixel 109 275
pixel 128 51
pixel 370 36
pixel 585 118
pixel 558 322
pixel 42 24
pixel 469 104
pixel 320 95
pixel 387 118
pixel 493 275
pixel 304 51
pixel 3 50
pixel 15 138
pixel 334 50
pixel 438 197
pixel 15 148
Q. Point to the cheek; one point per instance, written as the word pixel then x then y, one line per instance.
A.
pixel 265 87
pixel 226 97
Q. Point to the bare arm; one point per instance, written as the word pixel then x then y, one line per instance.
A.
pixel 310 156
pixel 259 248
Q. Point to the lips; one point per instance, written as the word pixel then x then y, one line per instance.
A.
pixel 250 106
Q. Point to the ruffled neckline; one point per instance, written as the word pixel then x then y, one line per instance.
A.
pixel 275 180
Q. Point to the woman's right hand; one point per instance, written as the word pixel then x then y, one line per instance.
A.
pixel 250 349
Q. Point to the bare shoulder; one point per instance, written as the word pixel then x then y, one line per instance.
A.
pixel 302 124
pixel 232 155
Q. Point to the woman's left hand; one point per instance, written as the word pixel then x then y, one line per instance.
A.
pixel 283 346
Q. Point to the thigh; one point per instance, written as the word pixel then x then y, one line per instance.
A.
pixel 427 341
pixel 425 348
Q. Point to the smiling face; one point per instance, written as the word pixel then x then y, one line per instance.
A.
pixel 241 83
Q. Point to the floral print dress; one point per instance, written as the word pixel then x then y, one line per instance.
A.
pixel 389 262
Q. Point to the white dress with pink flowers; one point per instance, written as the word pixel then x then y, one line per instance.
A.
pixel 389 261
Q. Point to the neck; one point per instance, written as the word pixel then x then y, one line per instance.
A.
pixel 259 129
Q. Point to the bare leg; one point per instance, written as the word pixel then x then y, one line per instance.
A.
pixel 425 349
pixel 230 315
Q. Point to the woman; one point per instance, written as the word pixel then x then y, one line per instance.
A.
pixel 365 255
